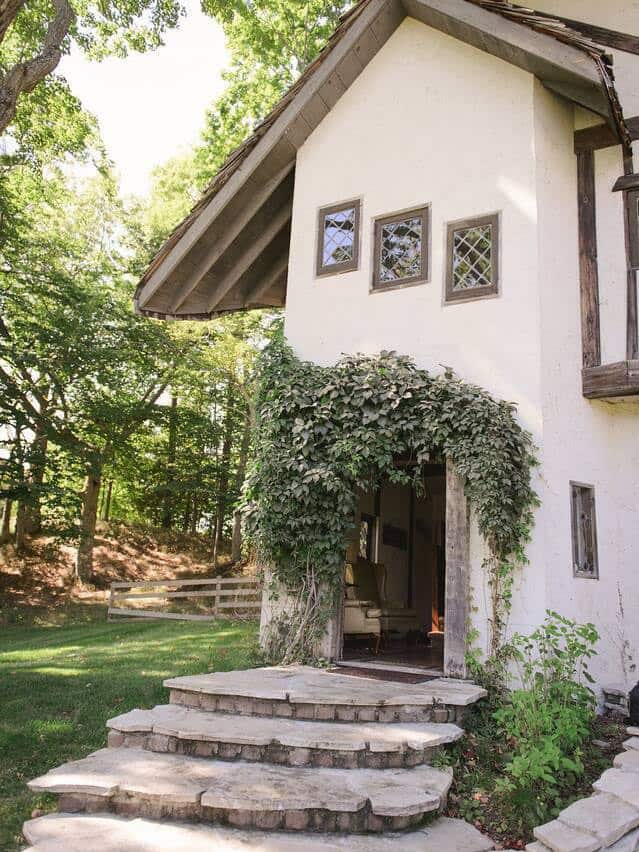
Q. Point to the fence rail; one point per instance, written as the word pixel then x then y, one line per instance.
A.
pixel 229 594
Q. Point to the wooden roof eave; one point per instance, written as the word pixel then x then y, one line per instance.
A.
pixel 179 284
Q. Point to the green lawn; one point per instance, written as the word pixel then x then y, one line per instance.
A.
pixel 59 685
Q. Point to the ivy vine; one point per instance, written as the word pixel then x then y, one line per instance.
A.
pixel 324 433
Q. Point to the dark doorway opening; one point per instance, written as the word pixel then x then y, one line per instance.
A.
pixel 395 578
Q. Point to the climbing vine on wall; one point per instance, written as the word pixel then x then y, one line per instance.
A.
pixel 323 433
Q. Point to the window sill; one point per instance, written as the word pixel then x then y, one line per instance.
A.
pixel 611 381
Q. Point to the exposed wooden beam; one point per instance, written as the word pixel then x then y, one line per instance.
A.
pixel 272 276
pixel 609 38
pixel 219 246
pixel 607 381
pixel 588 265
pixel 603 136
pixel 266 146
pixel 246 260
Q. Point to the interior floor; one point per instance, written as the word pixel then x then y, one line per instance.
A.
pixel 396 652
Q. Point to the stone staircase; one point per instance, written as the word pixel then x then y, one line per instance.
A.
pixel 289 758
pixel 609 819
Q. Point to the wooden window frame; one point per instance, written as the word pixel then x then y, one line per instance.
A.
pixel 578 573
pixel 423 277
pixel 321 269
pixel 454 297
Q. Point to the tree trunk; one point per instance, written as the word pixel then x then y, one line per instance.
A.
pixel 107 506
pixel 187 514
pixel 236 546
pixel 223 481
pixel 195 514
pixel 169 496
pixel 21 526
pixel 33 509
pixel 240 475
pixel 84 558
pixel 5 529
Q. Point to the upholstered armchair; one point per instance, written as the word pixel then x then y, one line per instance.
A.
pixel 369 579
pixel 361 617
pixel 395 616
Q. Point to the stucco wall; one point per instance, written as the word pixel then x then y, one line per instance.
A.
pixel 434 121
pixel 591 442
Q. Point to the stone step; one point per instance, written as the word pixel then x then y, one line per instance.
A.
pixel 133 782
pixel 303 692
pixel 171 728
pixel 101 833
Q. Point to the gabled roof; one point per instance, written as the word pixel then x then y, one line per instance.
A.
pixel 231 252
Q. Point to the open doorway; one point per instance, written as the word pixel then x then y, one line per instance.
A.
pixel 395 576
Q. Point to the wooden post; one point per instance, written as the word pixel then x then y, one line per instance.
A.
pixel 457 575
pixel 588 265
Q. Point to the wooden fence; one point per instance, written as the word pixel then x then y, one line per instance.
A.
pixel 230 596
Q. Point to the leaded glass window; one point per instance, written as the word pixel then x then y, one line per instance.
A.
pixel 401 249
pixel 473 259
pixel 338 239
pixel 584 531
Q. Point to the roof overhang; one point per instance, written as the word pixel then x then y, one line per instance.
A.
pixel 231 253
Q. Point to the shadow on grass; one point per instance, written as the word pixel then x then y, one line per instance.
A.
pixel 59 685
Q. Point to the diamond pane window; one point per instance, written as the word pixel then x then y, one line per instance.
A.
pixel 584 531
pixel 338 239
pixel 401 249
pixel 473 259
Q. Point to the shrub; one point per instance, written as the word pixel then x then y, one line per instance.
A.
pixel 547 721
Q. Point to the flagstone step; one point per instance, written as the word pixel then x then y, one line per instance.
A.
pixel 102 833
pixel 303 692
pixel 134 782
pixel 171 728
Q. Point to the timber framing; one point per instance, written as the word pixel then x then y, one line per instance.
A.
pixel 228 254
pixel 603 136
pixel 588 265
pixel 607 381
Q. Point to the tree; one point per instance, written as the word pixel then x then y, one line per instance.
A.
pixel 270 42
pixel 34 36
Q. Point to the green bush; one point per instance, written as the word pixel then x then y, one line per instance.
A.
pixel 548 720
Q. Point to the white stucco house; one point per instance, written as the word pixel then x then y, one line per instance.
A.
pixel 455 180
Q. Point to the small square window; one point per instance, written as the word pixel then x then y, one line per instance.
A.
pixel 338 238
pixel 584 531
pixel 472 250
pixel 401 249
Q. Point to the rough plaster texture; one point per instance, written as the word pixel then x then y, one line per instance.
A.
pixel 398 139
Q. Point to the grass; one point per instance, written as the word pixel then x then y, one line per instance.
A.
pixel 59 684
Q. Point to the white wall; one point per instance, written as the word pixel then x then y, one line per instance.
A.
pixel 432 120
pixel 591 442
pixel 450 126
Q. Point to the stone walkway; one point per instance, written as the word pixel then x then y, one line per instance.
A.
pixel 289 758
pixel 609 819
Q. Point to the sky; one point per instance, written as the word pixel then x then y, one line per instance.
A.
pixel 150 106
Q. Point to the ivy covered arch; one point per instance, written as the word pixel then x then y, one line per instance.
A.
pixel 323 434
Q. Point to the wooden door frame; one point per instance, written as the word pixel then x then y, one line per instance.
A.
pixel 457 595
pixel 457 591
